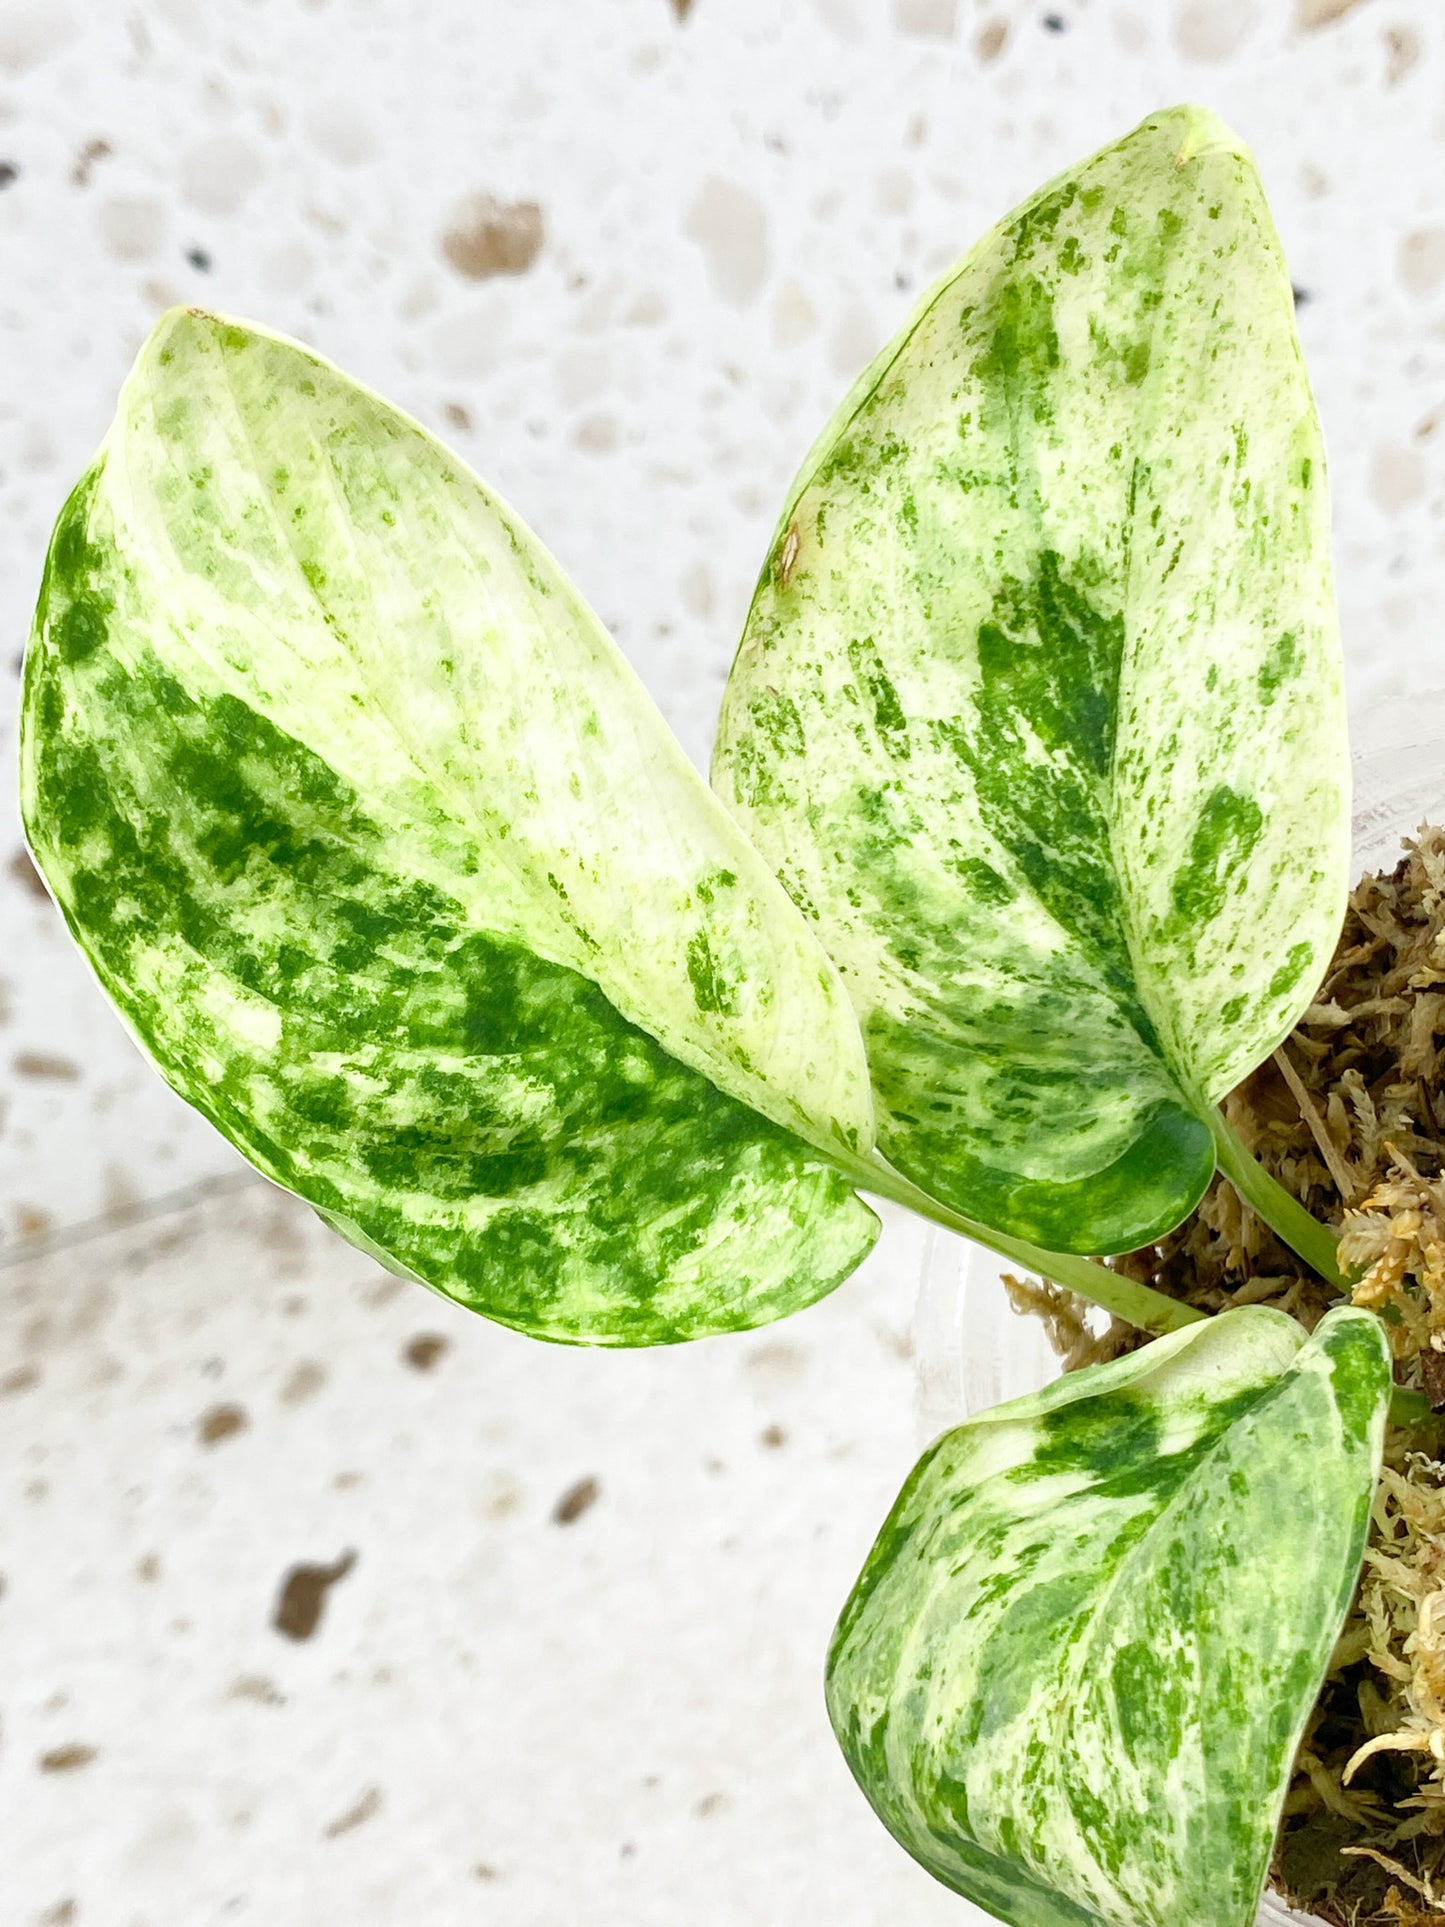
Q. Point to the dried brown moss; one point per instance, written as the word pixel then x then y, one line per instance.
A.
pixel 1349 1115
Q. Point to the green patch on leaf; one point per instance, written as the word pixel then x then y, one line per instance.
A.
pixel 711 988
pixel 1224 838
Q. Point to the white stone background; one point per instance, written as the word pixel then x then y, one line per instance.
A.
pixel 715 213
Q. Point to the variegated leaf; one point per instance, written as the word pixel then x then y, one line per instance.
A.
pixel 394 869
pixel 1076 1668
pixel 1039 708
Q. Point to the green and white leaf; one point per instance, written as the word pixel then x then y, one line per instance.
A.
pixel 1076 1668
pixel 1039 711
pixel 397 873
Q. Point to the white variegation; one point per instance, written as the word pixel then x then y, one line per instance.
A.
pixel 1075 1670
pixel 1039 708
pixel 346 572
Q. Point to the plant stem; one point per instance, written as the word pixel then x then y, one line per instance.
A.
pixel 1138 1305
pixel 1313 1241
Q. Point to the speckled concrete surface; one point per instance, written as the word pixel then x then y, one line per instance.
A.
pixel 568 1667
pixel 624 254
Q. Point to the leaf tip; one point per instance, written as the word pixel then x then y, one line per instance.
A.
pixel 1201 131
pixel 183 329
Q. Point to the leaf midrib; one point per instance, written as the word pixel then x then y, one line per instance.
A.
pixel 1079 1656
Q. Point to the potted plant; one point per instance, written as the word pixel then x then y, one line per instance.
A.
pixel 1027 842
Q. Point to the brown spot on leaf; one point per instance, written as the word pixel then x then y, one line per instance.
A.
pixel 484 1870
pixel 62 1914
pixel 148 1568
pixel 20 1380
pixel 302 1598
pixel 221 1422
pixel 31 1221
pixel 39 1063
pixel 576 1500
pixel 355 1816
pixel 788 554
pixel 423 1351
pixel 21 869
pixel 490 237
pixel 991 39
pixel 682 8
pixel 774 1436
pixel 66 1759
pixel 710 1803
pixel 458 416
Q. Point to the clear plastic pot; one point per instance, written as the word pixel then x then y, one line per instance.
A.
pixel 973 1350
